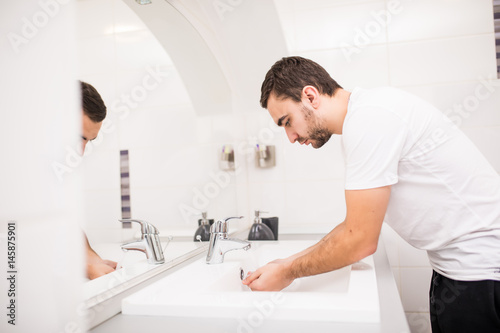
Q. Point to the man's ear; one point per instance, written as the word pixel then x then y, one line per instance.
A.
pixel 311 95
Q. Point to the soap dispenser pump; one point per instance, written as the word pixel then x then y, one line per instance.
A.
pixel 260 231
pixel 203 231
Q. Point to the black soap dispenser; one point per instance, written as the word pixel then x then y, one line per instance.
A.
pixel 203 231
pixel 260 231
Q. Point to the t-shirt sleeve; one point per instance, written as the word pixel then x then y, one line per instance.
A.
pixel 373 141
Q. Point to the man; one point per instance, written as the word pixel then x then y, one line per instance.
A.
pixel 94 112
pixel 407 165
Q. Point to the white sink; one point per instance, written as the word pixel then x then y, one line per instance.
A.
pixel 201 290
pixel 130 264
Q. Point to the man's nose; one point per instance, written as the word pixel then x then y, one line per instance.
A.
pixel 292 136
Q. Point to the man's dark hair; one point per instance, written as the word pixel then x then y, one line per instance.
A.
pixel 289 75
pixel 92 103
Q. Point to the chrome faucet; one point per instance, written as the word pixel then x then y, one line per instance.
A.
pixel 219 243
pixel 149 244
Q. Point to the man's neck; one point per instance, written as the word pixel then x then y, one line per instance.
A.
pixel 337 110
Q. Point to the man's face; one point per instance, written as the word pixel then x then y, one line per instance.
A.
pixel 300 121
pixel 89 131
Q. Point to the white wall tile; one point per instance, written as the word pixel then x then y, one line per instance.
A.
pixel 391 242
pixel 299 5
pixel 336 26
pixel 163 87
pixel 101 169
pixel 138 49
pixel 397 277
pixel 320 202
pixel 486 140
pixel 307 163
pixel 160 166
pixel 102 209
pixel 415 284
pixel 269 197
pixel 225 205
pixel 227 128
pixel 411 257
pixel 164 207
pixel 160 126
pixel 356 67
pixel 430 19
pixel 468 104
pixel 287 19
pixel 177 206
pixel 444 60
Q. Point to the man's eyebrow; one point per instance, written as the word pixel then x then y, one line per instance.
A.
pixel 84 138
pixel 280 121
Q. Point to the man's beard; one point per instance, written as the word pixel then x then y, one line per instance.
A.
pixel 317 131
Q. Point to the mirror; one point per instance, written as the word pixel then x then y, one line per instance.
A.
pixel 179 84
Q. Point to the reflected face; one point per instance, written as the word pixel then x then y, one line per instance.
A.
pixel 300 121
pixel 90 130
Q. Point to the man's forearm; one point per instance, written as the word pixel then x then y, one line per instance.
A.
pixel 337 249
pixel 312 247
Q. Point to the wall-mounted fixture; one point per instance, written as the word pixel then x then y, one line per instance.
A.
pixel 265 156
pixel 227 158
pixel 143 2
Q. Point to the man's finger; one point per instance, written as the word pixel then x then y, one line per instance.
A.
pixel 252 277
pixel 110 263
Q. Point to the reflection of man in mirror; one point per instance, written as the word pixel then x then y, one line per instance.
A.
pixel 94 112
pixel 405 164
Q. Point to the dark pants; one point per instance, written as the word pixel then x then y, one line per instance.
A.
pixel 464 306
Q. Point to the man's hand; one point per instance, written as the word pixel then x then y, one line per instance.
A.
pixel 97 268
pixel 274 276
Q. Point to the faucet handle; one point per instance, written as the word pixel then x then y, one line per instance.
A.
pixel 146 227
pixel 221 225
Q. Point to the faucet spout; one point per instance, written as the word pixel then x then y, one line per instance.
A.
pixel 230 244
pixel 135 246
pixel 219 243
pixel 149 244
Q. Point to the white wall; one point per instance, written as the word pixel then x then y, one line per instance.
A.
pixel 443 51
pixel 39 118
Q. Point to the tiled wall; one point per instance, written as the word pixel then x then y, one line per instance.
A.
pixel 443 51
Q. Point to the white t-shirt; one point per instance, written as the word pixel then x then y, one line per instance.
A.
pixel 445 196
